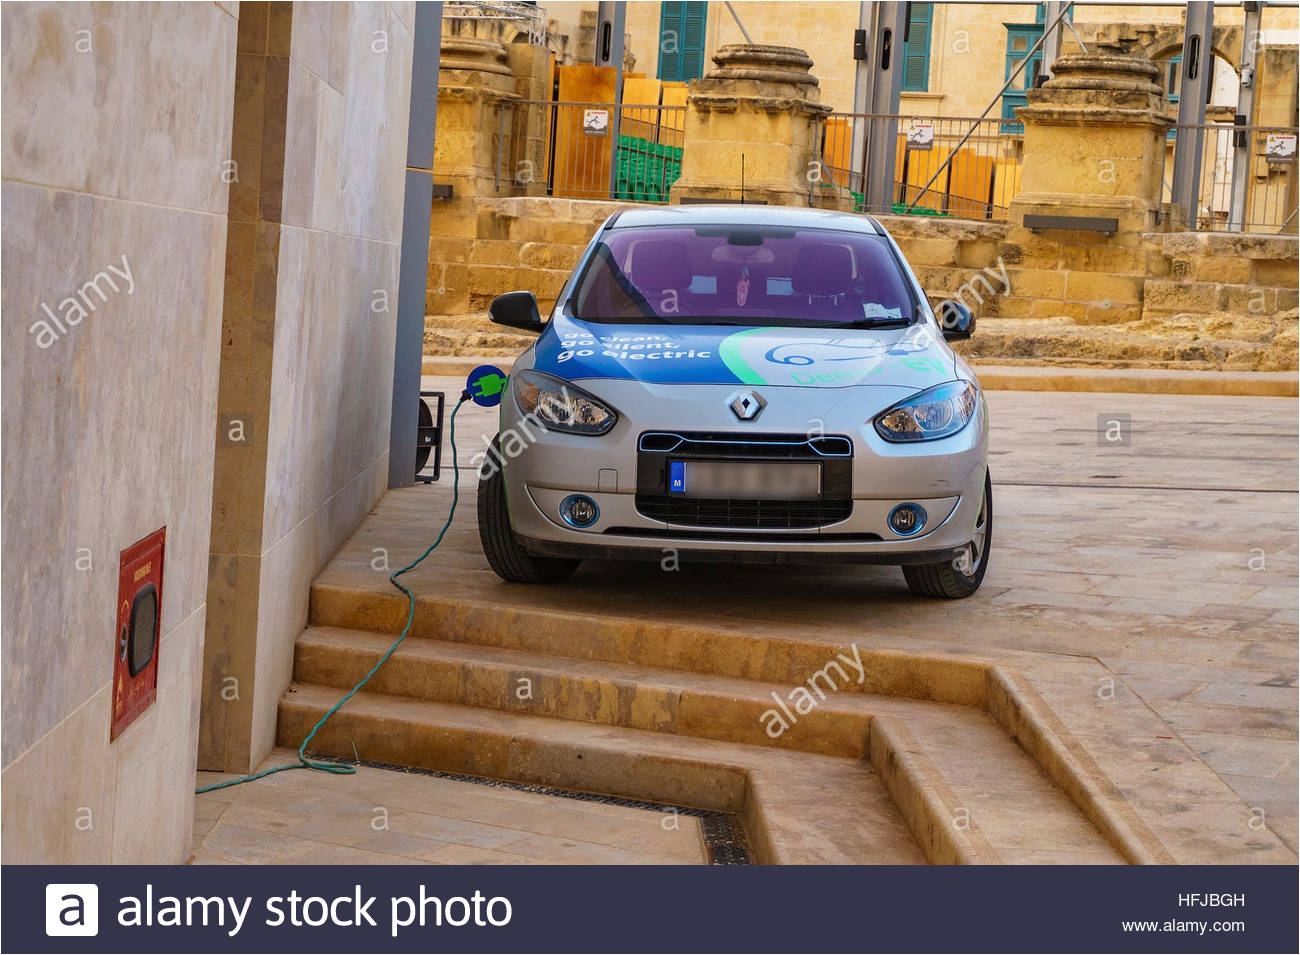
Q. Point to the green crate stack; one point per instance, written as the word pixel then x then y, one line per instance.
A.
pixel 900 208
pixel 646 170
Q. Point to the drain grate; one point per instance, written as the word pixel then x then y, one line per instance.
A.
pixel 724 836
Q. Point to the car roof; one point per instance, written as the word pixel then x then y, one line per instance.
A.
pixel 753 215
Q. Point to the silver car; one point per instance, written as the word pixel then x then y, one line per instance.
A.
pixel 740 383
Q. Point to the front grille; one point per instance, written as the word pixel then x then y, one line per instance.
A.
pixel 696 512
pixel 734 445
pixel 657 449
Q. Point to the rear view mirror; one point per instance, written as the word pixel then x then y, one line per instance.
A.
pixel 956 321
pixel 516 310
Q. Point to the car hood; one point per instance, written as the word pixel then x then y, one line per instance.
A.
pixel 912 357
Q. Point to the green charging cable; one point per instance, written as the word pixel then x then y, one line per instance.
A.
pixel 339 769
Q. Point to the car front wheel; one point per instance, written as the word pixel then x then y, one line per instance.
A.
pixel 962 576
pixel 505 554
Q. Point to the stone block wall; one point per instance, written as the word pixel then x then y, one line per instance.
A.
pixel 953 258
pixel 481 248
pixel 1207 272
pixel 1239 287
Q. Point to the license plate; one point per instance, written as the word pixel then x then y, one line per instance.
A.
pixel 746 480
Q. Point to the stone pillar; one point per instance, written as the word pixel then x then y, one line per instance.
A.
pixel 760 108
pixel 534 71
pixel 1095 141
pixel 475 83
pixel 1094 148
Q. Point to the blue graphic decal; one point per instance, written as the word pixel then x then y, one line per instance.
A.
pixel 712 354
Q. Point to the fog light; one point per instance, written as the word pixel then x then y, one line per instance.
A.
pixel 579 511
pixel 907 519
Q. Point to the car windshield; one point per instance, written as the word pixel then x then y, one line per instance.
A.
pixel 743 275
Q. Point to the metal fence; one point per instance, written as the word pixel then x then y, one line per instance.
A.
pixel 590 150
pixel 979 182
pixel 1266 188
pixel 944 166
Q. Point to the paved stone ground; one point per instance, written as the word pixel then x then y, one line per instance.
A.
pixel 384 817
pixel 1156 577
pixel 1146 591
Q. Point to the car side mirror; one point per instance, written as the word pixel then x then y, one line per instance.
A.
pixel 516 310
pixel 956 321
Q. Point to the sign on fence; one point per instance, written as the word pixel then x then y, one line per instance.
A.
pixel 595 122
pixel 1280 147
pixel 920 134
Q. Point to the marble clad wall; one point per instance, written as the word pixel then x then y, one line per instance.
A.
pixel 323 94
pixel 241 166
pixel 116 123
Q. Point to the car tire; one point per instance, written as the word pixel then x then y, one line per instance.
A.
pixel 505 554
pixel 950 579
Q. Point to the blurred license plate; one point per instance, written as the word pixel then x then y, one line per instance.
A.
pixel 746 480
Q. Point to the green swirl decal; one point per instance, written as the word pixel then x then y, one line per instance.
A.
pixel 729 352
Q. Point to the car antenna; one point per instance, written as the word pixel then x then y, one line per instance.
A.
pixel 742 179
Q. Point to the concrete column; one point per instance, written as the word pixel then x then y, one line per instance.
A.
pixel 759 111
pixel 413 271
pixel 1095 141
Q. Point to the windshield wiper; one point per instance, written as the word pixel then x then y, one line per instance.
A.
pixel 878 322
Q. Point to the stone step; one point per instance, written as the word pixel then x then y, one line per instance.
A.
pixel 342 598
pixel 957 753
pixel 797 809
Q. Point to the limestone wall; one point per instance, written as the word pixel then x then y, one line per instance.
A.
pixel 1193 299
pixel 108 427
pixel 1204 273
pixel 952 258
pixel 484 247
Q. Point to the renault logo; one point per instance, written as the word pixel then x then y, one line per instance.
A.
pixel 747 405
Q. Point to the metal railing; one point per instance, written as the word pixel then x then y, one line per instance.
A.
pixel 978 161
pixel 590 150
pixel 1267 186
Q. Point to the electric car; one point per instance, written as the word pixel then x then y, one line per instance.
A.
pixel 741 383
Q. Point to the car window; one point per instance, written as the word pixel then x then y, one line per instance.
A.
pixel 742 275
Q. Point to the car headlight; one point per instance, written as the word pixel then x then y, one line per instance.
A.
pixel 560 406
pixel 934 413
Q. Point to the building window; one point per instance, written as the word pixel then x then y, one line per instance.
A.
pixel 1174 78
pixel 1021 38
pixel 916 48
pixel 681 40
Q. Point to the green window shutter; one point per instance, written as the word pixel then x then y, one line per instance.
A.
pixel 681 40
pixel 693 19
pixel 670 41
pixel 916 49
